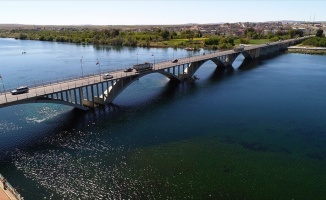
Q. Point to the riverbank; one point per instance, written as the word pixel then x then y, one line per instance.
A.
pixel 9 193
pixel 307 50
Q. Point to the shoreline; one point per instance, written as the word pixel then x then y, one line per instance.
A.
pixel 290 49
pixel 307 50
pixel 10 192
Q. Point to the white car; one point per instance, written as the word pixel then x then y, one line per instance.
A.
pixel 107 76
pixel 20 90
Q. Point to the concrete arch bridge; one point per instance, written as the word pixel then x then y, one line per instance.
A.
pixel 89 92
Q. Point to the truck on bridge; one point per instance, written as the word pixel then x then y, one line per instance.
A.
pixel 143 67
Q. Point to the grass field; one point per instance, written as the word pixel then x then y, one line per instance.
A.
pixel 254 41
pixel 198 42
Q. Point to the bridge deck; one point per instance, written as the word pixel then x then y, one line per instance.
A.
pixel 7 98
pixel 59 86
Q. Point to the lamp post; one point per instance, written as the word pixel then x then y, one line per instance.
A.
pixel 99 65
pixel 154 58
pixel 99 68
pixel 4 90
pixel 81 66
pixel 137 56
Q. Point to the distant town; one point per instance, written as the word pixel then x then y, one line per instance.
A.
pixel 191 36
pixel 236 29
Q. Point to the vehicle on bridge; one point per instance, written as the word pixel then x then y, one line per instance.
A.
pixel 238 49
pixel 128 69
pixel 107 76
pixel 143 67
pixel 174 61
pixel 20 90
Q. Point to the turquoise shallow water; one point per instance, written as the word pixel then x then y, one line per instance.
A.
pixel 238 134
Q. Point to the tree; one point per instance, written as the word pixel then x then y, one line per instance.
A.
pixel 23 36
pixel 199 34
pixel 188 34
pixel 165 34
pixel 300 33
pixel 244 40
pixel 250 32
pixel 292 33
pixel 42 38
pixel 319 33
pixel 212 41
pixel 115 32
pixel 230 41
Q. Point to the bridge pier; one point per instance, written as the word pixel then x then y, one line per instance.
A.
pixel 230 59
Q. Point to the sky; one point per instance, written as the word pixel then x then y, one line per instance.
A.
pixel 157 12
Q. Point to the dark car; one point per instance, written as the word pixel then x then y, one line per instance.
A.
pixel 174 61
pixel 20 90
pixel 128 70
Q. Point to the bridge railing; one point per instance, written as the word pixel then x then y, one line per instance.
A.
pixel 90 75
pixel 52 87
pixel 73 79
pixel 59 80
pixel 157 65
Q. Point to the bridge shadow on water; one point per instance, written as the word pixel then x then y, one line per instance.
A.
pixel 250 64
pixel 167 93
pixel 171 91
pixel 220 74
pixel 70 123
pixel 75 123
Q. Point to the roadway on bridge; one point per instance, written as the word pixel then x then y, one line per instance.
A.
pixel 39 91
pixel 75 83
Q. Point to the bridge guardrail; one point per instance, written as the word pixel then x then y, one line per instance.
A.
pixel 91 75
pixel 75 78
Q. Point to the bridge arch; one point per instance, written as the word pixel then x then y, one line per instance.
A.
pixel 121 84
pixel 247 55
pixel 222 62
pixel 170 76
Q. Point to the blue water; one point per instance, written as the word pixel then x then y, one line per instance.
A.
pixel 256 133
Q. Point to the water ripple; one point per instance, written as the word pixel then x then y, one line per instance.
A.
pixel 6 126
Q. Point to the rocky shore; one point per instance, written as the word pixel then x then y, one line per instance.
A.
pixel 307 50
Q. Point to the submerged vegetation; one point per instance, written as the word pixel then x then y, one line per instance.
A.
pixel 154 37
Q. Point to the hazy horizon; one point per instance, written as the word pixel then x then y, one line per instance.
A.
pixel 145 12
pixel 290 21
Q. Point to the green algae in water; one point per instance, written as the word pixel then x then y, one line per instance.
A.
pixel 206 168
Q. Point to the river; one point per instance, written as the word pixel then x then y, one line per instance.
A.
pixel 256 133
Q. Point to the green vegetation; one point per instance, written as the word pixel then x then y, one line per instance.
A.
pixel 150 37
pixel 315 41
pixel 320 33
pixel 252 41
pixel 318 41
